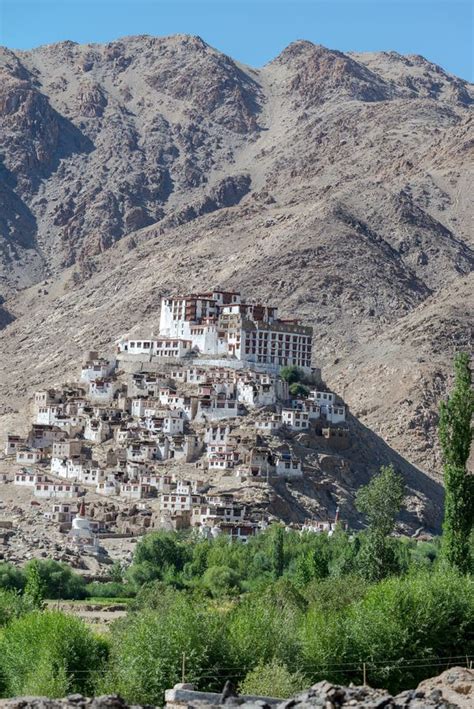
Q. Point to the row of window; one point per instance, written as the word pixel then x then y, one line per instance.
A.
pixel 147 344
pixel 265 334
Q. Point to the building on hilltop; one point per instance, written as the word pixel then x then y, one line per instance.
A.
pixel 219 324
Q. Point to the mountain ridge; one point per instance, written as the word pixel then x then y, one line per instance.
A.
pixel 335 184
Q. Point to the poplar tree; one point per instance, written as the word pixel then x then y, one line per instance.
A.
pixel 35 587
pixel 278 554
pixel 455 436
pixel 380 501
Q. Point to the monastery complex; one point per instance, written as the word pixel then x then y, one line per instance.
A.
pixel 169 421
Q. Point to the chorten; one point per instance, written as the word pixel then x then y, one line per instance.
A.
pixel 81 533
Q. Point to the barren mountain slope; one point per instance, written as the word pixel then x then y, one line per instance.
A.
pixel 334 185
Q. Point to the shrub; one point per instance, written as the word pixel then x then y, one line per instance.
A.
pixel 398 629
pixel 50 653
pixel 58 580
pixel 334 594
pixel 109 589
pixel 221 581
pixel 11 577
pixel 409 619
pixel 12 605
pixel 152 596
pixel 263 627
pixel 273 680
pixel 148 646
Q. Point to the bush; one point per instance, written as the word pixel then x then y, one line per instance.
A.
pixel 148 646
pixel 407 620
pixel 335 594
pixel 12 605
pixel 109 589
pixel 50 654
pixel 273 680
pixel 59 580
pixel 265 626
pixel 221 581
pixel 152 596
pixel 399 629
pixel 12 578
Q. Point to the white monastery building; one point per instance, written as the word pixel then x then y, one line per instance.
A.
pixel 220 324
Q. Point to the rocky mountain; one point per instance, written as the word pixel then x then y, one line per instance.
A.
pixel 335 185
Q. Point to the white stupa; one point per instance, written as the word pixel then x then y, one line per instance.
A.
pixel 81 534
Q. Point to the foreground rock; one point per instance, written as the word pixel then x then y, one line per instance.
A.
pixel 453 689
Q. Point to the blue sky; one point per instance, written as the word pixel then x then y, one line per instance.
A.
pixel 255 31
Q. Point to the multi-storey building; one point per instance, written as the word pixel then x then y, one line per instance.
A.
pixel 220 324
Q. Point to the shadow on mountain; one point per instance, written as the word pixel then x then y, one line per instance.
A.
pixel 370 448
pixel 70 141
pixel 5 317
pixel 17 223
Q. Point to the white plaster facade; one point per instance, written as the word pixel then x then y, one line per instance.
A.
pixel 49 489
pixel 295 419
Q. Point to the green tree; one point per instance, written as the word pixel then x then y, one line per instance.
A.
pixel 12 577
pixel 298 389
pixel 380 501
pixel 35 588
pixel 455 436
pixel 313 564
pixel 221 581
pixel 59 580
pixel 155 554
pixel 278 552
pixel 291 374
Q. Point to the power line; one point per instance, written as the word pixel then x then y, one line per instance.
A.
pixel 415 663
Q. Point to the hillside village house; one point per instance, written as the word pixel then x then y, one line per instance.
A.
pixel 13 444
pixel 29 456
pixel 295 419
pixel 109 487
pixel 28 479
pixel 134 491
pixel 96 367
pixel 50 489
pixel 62 512
pixel 270 424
